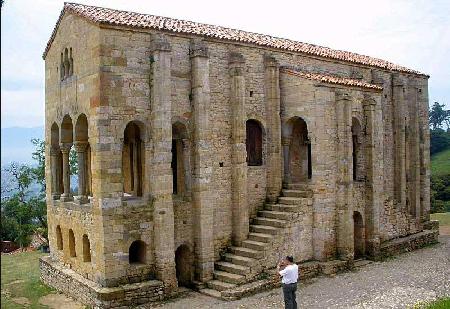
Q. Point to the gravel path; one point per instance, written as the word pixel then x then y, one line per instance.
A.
pixel 422 275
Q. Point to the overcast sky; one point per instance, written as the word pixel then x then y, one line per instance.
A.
pixel 412 33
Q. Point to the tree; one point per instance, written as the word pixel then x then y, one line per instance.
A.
pixel 438 116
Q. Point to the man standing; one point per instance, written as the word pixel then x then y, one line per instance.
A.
pixel 289 273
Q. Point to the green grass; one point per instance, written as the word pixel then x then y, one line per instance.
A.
pixel 443 303
pixel 443 218
pixel 440 163
pixel 20 278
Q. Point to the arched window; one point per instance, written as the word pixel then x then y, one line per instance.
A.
pixel 132 160
pixel 55 163
pixel 72 251
pixel 137 252
pixel 59 239
pixel 356 149
pixel 180 158
pixel 66 66
pixel 254 143
pixel 86 249
pixel 81 147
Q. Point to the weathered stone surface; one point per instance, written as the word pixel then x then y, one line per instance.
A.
pixel 160 124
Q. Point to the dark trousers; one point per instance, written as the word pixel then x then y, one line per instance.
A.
pixel 289 295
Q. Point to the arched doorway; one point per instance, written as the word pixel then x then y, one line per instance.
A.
pixel 358 235
pixel 184 266
pixel 297 151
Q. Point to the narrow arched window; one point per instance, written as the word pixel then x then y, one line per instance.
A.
pixel 356 151
pixel 133 160
pixel 59 239
pixel 136 253
pixel 86 249
pixel 254 143
pixel 72 244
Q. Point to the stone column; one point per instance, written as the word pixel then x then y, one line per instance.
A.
pixel 399 140
pixel 134 165
pixel 201 191
pixel 160 159
pixel 54 160
pixel 80 148
pixel 374 168
pixel 240 217
pixel 65 149
pixel 344 180
pixel 286 142
pixel 187 168
pixel 273 121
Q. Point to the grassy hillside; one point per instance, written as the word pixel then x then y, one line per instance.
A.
pixel 440 163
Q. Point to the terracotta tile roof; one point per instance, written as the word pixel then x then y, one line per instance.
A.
pixel 101 15
pixel 332 79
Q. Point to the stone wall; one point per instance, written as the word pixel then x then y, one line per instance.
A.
pixel 89 293
pixel 122 75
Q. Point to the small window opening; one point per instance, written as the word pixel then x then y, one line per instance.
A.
pixel 251 93
pixel 59 239
pixel 72 244
pixel 137 254
pixel 86 249
pixel 254 143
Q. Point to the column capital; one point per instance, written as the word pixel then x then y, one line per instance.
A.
pixel 270 61
pixel 159 42
pixel 80 146
pixel 198 48
pixel 286 141
pixel 65 147
pixel 236 63
pixel 342 96
pixel 54 150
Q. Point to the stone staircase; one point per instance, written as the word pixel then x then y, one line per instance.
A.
pixel 241 264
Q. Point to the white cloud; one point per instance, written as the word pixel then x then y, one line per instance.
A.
pixel 22 108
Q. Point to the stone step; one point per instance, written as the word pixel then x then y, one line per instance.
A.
pixel 297 193
pixel 263 229
pixel 269 222
pixel 290 200
pixel 255 245
pixel 212 293
pixel 232 268
pixel 295 186
pixel 247 252
pixel 220 285
pixel 228 277
pixel 282 207
pixel 280 215
pixel 260 237
pixel 239 259
pixel 361 263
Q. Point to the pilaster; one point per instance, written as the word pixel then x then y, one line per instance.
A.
pixel 344 183
pixel 240 215
pixel 399 140
pixel 161 174
pixel 374 183
pixel 273 121
pixel 201 191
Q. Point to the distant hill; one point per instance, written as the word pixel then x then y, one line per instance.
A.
pixel 440 163
pixel 16 144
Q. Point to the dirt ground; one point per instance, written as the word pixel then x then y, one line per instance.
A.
pixel 421 275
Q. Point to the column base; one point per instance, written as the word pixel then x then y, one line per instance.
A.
pixel 66 198
pixel 56 196
pixel 81 199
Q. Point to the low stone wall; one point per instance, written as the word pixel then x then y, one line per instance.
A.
pixel 90 293
pixel 409 243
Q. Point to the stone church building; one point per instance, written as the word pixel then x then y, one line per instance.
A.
pixel 206 153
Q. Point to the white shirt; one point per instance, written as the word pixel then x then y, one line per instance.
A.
pixel 290 274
